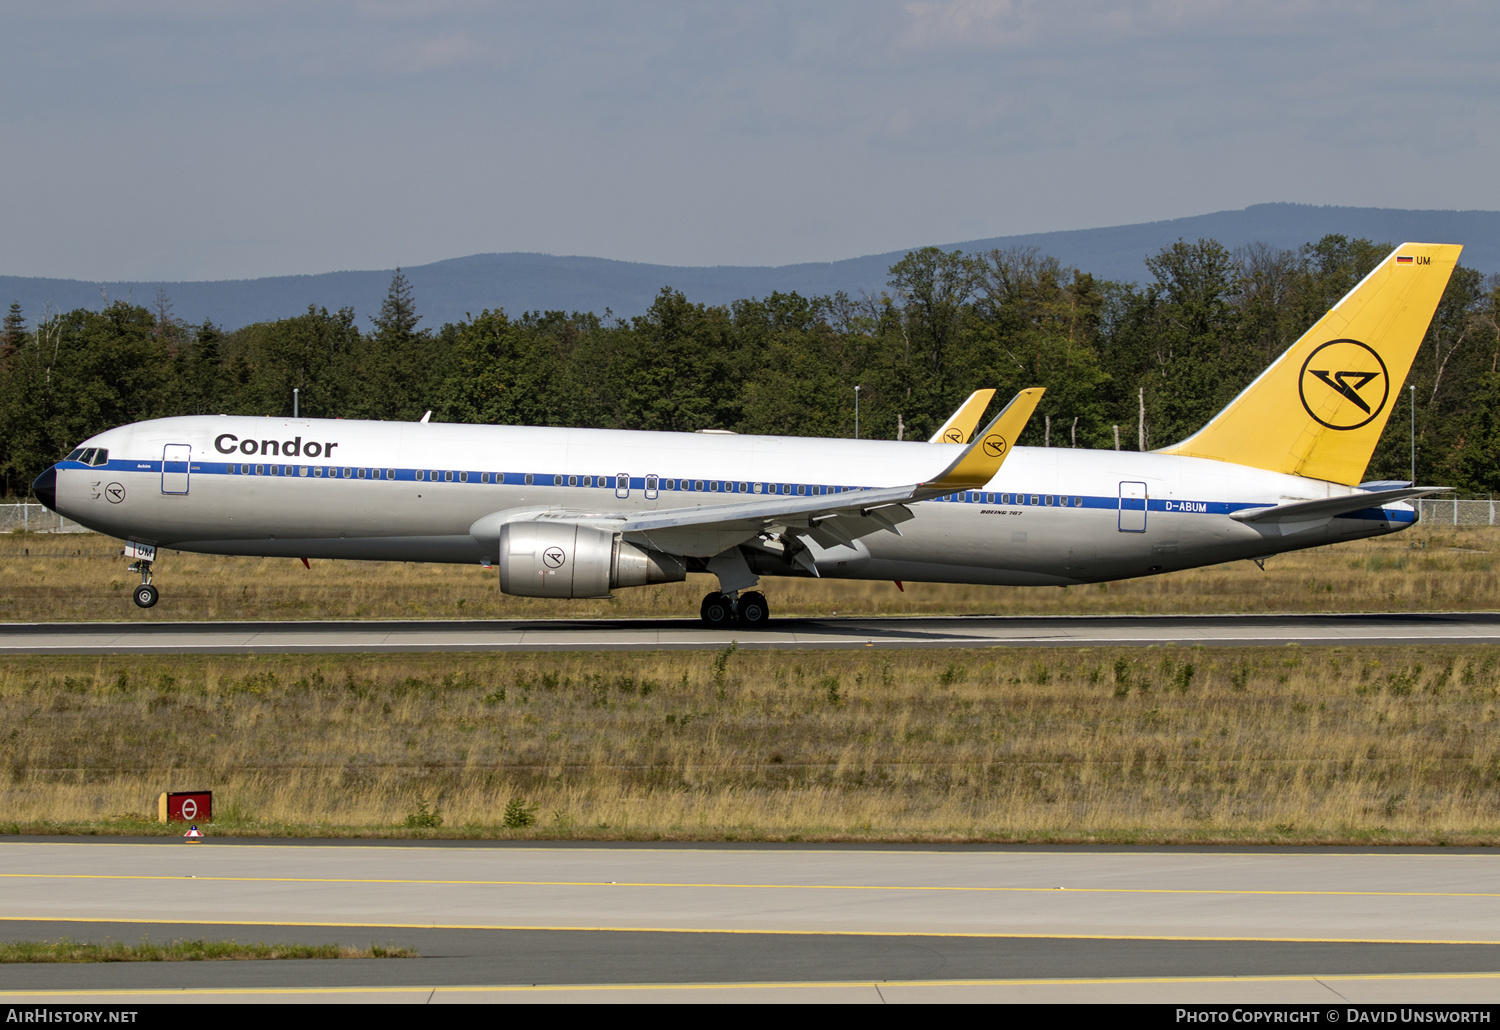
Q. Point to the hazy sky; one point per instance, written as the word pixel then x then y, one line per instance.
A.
pixel 205 140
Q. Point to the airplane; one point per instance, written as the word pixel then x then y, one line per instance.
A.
pixel 576 513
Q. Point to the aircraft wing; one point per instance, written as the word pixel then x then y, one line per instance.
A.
pixel 960 428
pixel 828 519
pixel 1327 508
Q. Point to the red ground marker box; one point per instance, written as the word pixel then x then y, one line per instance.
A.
pixel 186 806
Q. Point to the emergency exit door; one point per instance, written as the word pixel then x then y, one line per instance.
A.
pixel 176 459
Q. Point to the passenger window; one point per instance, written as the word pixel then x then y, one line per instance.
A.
pixel 447 477
pixel 572 480
pixel 744 488
pixel 1048 500
pixel 801 490
pixel 463 477
pixel 1034 498
pixel 528 479
pixel 260 470
pixel 318 472
pixel 697 484
pixel 361 473
pixel 713 486
pixel 755 488
pixel 1078 502
pixel 390 473
pixel 303 471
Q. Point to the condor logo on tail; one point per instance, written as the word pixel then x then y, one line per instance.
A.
pixel 1343 371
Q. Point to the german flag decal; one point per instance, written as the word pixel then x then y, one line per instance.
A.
pixel 1403 260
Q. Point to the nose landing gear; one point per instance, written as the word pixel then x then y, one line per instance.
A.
pixel 146 594
pixel 726 609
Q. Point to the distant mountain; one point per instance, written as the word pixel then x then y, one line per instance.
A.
pixel 446 290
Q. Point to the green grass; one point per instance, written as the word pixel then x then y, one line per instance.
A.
pixel 1366 744
pixel 67 950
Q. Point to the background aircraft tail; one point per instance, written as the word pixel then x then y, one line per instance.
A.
pixel 1319 409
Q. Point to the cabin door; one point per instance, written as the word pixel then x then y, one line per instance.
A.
pixel 176 459
pixel 1132 507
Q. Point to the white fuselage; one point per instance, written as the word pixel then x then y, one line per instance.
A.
pixel 413 492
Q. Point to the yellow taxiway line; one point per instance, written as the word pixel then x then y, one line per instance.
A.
pixel 996 935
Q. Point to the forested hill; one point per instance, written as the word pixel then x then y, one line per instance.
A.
pixel 540 282
pixel 1205 322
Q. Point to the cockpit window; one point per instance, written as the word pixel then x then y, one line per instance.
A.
pixel 99 456
pixel 75 454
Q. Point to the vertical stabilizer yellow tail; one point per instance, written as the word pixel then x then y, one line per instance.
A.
pixel 1319 410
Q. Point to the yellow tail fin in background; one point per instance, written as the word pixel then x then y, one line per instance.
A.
pixel 1319 410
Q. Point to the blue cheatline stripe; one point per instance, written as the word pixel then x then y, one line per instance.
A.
pixel 690 486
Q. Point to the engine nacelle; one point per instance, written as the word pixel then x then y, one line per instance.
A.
pixel 556 559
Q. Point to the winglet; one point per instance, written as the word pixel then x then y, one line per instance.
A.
pixel 960 428
pixel 979 462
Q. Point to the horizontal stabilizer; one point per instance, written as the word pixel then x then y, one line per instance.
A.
pixel 1328 507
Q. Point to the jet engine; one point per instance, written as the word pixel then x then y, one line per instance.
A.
pixel 556 559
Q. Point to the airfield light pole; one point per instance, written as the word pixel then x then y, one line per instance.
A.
pixel 1413 436
pixel 856 413
pixel 295 391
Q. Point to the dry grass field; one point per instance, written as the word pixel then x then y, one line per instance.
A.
pixel 83 577
pixel 1371 745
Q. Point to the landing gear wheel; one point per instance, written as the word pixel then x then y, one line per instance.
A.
pixel 716 610
pixel 145 595
pixel 754 612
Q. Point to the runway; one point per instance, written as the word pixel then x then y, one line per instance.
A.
pixel 683 634
pixel 610 923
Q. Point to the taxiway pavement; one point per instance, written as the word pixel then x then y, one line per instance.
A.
pixel 836 923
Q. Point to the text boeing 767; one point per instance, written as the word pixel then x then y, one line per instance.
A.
pixel 580 512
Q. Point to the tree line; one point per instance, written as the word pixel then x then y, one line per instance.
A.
pixel 1127 365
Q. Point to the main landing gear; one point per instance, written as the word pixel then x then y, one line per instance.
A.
pixel 146 594
pixel 748 609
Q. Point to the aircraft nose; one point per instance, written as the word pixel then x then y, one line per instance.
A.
pixel 45 487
